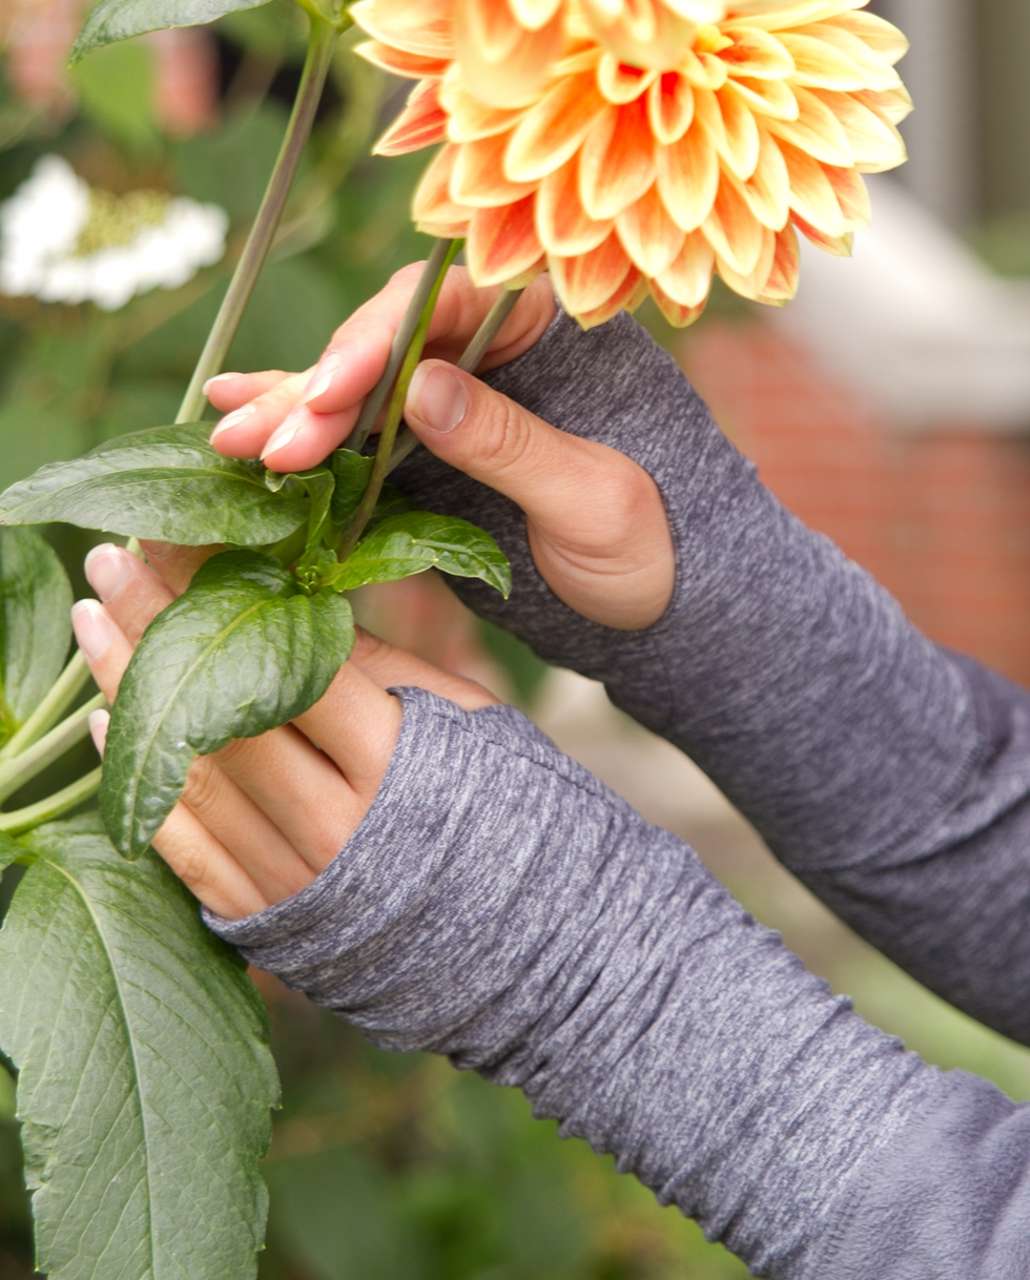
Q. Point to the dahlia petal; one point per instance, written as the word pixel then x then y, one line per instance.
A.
pixel 756 53
pixel 617 163
pixel 627 297
pixel 552 130
pixel 822 64
pixel 422 123
pixel 782 283
pixel 688 278
pixel 478 180
pixel 534 14
pixel 732 229
pixel 562 223
pixel 752 285
pixel 670 107
pixel 705 70
pixel 502 243
pixel 876 33
pixel 775 15
pixel 648 234
pixel 773 98
pixel 620 83
pixel 399 63
pixel 468 119
pixel 816 130
pixel 587 281
pixel 871 139
pixel 424 30
pixel 503 64
pixel 891 105
pixel 811 193
pixel 852 195
pixel 433 194
pixel 742 143
pixel 688 178
pixel 678 316
pixel 644 33
pixel 840 246
pixel 768 191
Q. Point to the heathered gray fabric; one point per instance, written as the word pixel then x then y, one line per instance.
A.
pixel 499 905
pixel 892 777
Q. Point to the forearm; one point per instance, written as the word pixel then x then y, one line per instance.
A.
pixel 526 923
pixel 851 742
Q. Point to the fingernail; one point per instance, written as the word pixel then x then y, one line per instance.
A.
pixel 438 397
pixel 322 378
pixel 108 569
pixel 232 420
pixel 283 434
pixel 94 630
pixel 98 722
pixel 219 377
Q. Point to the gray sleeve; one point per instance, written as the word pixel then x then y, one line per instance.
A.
pixel 500 906
pixel 889 775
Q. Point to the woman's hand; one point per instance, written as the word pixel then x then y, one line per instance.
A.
pixel 595 519
pixel 260 820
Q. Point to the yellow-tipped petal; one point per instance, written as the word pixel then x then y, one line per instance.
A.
pixel 616 163
pixel 821 64
pixel 753 285
pixel 741 142
pixel 424 30
pixel 627 297
pixel 432 202
pixel 619 83
pixel 552 130
pixel 816 131
pixel 399 63
pixel 649 235
pixel 768 192
pixel 871 139
pixel 891 105
pixel 504 64
pixel 774 98
pixel 670 107
pixel 876 33
pixel 534 14
pixel 782 284
pixel 731 228
pixel 811 194
pixel 757 54
pixel 562 223
pixel 678 316
pixel 478 179
pixel 688 178
pixel 422 123
pixel 688 279
pixel 840 246
pixel 502 243
pixel 852 196
pixel 586 282
pixel 468 119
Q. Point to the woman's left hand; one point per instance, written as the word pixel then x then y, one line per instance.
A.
pixel 260 819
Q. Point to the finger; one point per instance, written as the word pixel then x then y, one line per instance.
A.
pixel 229 391
pixel 175 565
pixel 297 788
pixel 203 862
pixel 134 593
pixel 391 667
pixel 243 432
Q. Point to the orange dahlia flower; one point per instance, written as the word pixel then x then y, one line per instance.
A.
pixel 636 146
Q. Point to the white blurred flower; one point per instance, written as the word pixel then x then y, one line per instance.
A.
pixel 60 241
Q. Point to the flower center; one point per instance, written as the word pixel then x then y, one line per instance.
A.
pixel 114 221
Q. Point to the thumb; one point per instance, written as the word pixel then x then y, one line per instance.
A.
pixel 495 441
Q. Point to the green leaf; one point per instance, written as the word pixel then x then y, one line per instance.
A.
pixel 35 629
pixel 145 1079
pixel 116 93
pixel 319 484
pixel 419 540
pixel 241 652
pixel 10 851
pixel 166 483
pixel 112 20
pixel 352 471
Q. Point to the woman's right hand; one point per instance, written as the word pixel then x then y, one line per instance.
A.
pixel 595 520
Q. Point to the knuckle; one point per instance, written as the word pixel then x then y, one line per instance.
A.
pixel 507 443
pixel 630 496
pixel 204 787
pixel 191 866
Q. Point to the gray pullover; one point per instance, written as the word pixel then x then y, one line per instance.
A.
pixel 500 906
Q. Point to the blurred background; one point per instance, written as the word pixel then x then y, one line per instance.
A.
pixel 889 406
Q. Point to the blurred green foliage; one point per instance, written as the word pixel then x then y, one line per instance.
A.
pixel 382 1168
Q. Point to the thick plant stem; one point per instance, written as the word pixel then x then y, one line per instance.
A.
pixel 402 341
pixel 50 747
pixel 470 361
pixel 245 277
pixel 52 807
pixel 441 261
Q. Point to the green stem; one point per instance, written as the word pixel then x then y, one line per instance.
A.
pixel 401 344
pixel 52 807
pixel 248 269
pixel 437 267
pixel 50 747
pixel 66 689
pixel 470 361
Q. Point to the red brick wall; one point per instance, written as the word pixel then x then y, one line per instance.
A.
pixel 941 516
